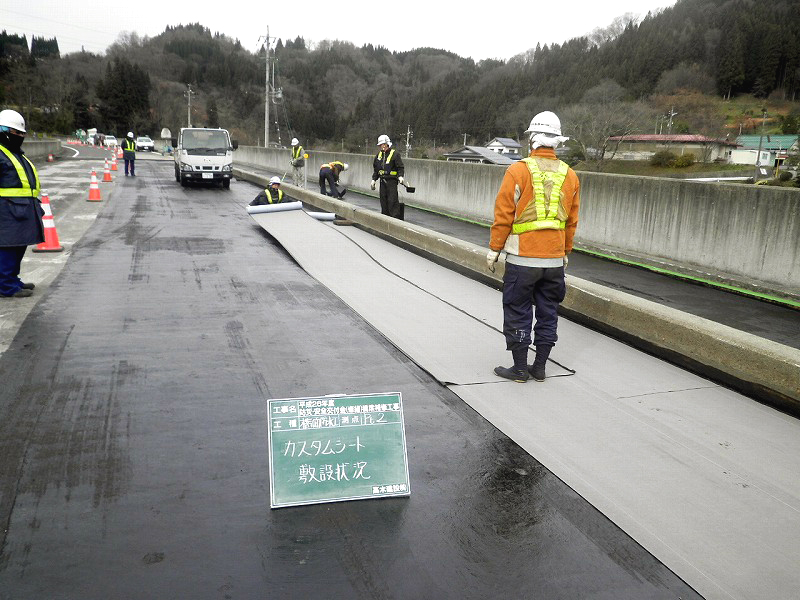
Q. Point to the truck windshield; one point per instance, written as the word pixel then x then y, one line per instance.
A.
pixel 205 140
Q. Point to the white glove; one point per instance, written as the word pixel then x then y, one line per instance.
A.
pixel 491 258
pixel 400 180
pixel 566 261
pixel 372 185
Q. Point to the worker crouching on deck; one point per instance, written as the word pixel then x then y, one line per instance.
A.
pixel 535 217
pixel 272 195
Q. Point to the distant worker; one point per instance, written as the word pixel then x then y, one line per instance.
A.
pixel 329 172
pixel 272 195
pixel 535 216
pixel 388 167
pixel 20 209
pixel 298 161
pixel 129 154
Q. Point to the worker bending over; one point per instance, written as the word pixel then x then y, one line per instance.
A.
pixel 535 216
pixel 329 172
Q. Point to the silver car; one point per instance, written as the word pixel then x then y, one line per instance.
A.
pixel 145 144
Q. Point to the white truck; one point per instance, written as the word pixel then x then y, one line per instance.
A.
pixel 204 155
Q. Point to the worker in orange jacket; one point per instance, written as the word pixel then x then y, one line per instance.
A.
pixel 535 217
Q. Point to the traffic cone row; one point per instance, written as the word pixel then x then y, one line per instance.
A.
pixel 94 189
pixel 50 243
pixel 119 152
pixel 106 174
pixel 114 164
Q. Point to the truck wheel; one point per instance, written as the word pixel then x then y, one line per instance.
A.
pixel 177 174
pixel 183 181
pixel 226 184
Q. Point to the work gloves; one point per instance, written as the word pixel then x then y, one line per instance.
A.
pixel 372 185
pixel 491 259
pixel 400 180
pixel 566 261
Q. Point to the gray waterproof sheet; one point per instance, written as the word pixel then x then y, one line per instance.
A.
pixel 704 478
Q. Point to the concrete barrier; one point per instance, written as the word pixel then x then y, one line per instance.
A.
pixel 741 235
pixel 765 370
pixel 41 148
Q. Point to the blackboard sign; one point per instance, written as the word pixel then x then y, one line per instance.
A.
pixel 334 448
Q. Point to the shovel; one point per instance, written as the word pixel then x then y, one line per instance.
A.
pixel 409 189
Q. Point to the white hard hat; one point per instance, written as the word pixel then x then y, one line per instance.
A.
pixel 130 134
pixel 384 139
pixel 275 179
pixel 545 122
pixel 295 141
pixel 345 167
pixel 12 119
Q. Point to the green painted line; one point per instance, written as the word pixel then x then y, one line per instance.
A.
pixel 708 282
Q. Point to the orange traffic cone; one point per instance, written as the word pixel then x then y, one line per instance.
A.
pixel 119 152
pixel 50 243
pixel 94 189
pixel 50 158
pixel 114 164
pixel 106 174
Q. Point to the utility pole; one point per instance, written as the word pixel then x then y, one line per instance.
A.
pixel 465 139
pixel 672 113
pixel 760 142
pixel 188 94
pixel 409 135
pixel 266 91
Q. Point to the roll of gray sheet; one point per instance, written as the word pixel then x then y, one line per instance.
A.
pixel 321 216
pixel 266 208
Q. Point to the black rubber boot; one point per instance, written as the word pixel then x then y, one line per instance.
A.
pixel 537 368
pixel 512 373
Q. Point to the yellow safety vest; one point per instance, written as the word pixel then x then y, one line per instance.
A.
pixel 25 191
pixel 130 146
pixel 269 196
pixel 546 211
pixel 297 152
pixel 381 172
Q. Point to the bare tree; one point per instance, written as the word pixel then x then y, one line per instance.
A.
pixel 601 115
pixel 602 35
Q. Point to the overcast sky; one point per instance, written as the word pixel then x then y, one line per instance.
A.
pixel 492 30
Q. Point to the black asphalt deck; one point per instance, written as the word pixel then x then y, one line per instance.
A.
pixel 133 444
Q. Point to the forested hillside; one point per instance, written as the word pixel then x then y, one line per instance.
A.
pixel 690 59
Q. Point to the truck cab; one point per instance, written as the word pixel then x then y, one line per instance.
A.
pixel 204 155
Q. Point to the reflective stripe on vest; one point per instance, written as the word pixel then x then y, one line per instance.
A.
pixel 129 146
pixel 385 162
pixel 297 152
pixel 25 190
pixel 546 207
pixel 269 196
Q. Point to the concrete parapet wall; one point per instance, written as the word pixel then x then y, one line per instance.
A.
pixel 763 369
pixel 41 148
pixel 744 235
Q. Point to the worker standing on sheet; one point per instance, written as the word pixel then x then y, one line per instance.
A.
pixel 272 195
pixel 20 209
pixel 388 168
pixel 535 217
pixel 329 173
pixel 297 161
pixel 129 154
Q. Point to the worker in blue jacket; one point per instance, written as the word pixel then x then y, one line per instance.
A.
pixel 20 209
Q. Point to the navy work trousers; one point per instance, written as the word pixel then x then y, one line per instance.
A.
pixel 523 289
pixel 390 205
pixel 326 175
pixel 10 261
pixel 132 163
